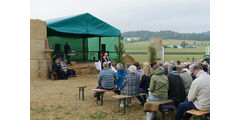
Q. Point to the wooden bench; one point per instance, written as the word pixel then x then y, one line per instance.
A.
pixel 198 114
pixel 156 106
pixel 123 98
pixel 81 88
pixel 101 92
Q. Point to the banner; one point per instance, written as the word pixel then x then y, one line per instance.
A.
pixel 163 54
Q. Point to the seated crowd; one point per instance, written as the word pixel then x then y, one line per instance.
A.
pixel 60 67
pixel 187 84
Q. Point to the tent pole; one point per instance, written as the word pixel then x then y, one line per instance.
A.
pixel 83 48
pixel 119 44
pixel 100 48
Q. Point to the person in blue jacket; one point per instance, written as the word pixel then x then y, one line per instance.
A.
pixel 121 73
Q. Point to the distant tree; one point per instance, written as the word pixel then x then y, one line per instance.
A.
pixel 120 51
pixel 184 44
pixel 194 43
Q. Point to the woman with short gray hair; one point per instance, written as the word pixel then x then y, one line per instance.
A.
pixel 131 85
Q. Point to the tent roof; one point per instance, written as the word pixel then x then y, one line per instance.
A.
pixel 80 25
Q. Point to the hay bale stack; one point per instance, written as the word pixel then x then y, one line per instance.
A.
pixel 38 29
pixel 156 43
pixel 38 58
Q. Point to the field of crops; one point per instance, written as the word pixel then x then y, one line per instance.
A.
pixel 138 50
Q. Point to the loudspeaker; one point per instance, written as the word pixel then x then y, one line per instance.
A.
pixel 103 48
pixel 58 55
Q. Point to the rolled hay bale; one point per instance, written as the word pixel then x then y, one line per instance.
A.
pixel 127 59
pixel 37 48
pixel 38 29
pixel 39 69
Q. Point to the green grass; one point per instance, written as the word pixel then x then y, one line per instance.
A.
pixel 138 50
pixel 144 57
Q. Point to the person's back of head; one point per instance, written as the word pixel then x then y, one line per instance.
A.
pixel 180 68
pixel 57 61
pixel 178 62
pixel 171 67
pixel 191 67
pixel 127 66
pixel 172 62
pixel 196 69
pixel 152 64
pixel 147 70
pixel 155 67
pixel 132 69
pixel 160 64
pixel 109 65
pixel 165 64
pixel 105 65
pixel 119 66
pixel 205 68
pixel 137 65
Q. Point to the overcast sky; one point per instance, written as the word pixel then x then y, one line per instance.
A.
pixel 132 15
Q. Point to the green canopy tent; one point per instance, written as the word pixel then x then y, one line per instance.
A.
pixel 86 34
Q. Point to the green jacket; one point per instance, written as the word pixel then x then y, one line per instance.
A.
pixel 159 84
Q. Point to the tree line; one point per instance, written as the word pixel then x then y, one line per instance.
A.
pixel 167 34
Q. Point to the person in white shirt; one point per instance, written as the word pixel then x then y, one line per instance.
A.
pixel 198 96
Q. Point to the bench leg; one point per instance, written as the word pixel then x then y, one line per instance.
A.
pixel 97 101
pixel 82 93
pixel 119 102
pixel 194 117
pixel 124 105
pixel 101 97
pixel 163 115
pixel 79 93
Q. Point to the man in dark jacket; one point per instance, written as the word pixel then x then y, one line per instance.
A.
pixel 176 90
pixel 67 50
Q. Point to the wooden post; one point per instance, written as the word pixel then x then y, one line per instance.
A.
pixel 49 57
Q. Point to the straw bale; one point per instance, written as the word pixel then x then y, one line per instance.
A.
pixel 38 29
pixel 37 48
pixel 39 69
pixel 157 44
pixel 128 59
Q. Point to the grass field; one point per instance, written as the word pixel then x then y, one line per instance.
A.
pixel 170 53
